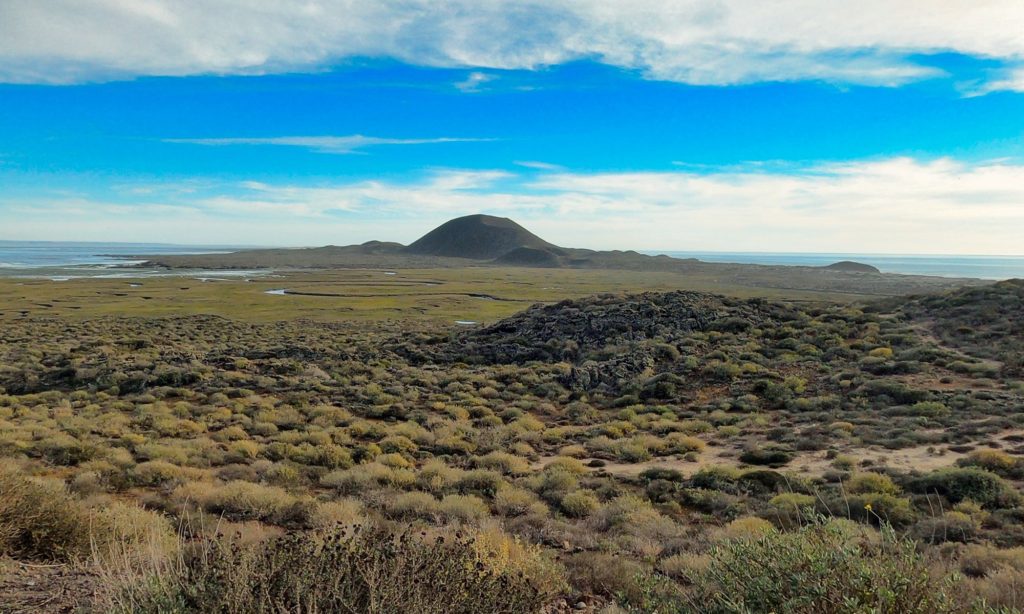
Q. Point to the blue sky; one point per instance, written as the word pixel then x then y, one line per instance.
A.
pixel 680 126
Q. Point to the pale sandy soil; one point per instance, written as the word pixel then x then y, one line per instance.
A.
pixel 926 457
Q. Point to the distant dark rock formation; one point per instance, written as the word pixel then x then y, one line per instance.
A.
pixel 531 257
pixel 610 340
pixel 378 247
pixel 480 237
pixel 852 267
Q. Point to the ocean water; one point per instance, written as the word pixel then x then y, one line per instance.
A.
pixel 65 260
pixel 980 267
pixel 62 260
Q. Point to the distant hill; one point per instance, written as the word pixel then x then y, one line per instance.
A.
pixel 483 237
pixel 852 267
pixel 530 257
pixel 486 240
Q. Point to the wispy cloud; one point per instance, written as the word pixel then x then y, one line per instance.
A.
pixel 897 205
pixel 323 144
pixel 1007 80
pixel 693 41
pixel 473 82
pixel 540 166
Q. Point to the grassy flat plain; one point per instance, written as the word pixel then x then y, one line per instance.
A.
pixel 481 294
pixel 602 441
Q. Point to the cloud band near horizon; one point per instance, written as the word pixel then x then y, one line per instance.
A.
pixel 894 205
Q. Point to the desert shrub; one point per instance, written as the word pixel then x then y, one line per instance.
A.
pixel 661 473
pixel 158 473
pixel 720 504
pixel 574 450
pixel 40 520
pixel 572 466
pixel 409 505
pixel 1002 591
pixel 770 456
pixel 928 408
pixel 240 500
pixel 601 573
pixel 716 477
pixel 844 462
pixel 514 501
pixel 463 508
pixel 399 444
pixel 283 475
pixel 678 443
pixel 793 501
pixel 968 483
pixel 871 482
pixel 65 450
pixel 620 510
pixel 694 427
pixel 553 484
pixel 765 481
pixel 393 460
pixel 996 461
pixel 893 391
pixel 874 508
pixel 684 567
pixel 506 463
pixel 122 530
pixel 340 512
pixel 435 476
pixel 366 570
pixel 748 526
pixel 579 504
pixel 951 526
pixel 820 568
pixel 978 561
pixel 333 456
pixel 361 477
pixel 483 482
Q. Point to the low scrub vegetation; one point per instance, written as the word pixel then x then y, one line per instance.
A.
pixel 643 453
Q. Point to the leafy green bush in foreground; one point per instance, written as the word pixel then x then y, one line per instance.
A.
pixel 827 566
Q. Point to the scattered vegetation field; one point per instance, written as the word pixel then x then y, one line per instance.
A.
pixel 479 294
pixel 178 445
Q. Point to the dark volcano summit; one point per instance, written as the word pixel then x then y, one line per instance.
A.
pixel 480 237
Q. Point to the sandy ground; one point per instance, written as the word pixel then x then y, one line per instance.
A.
pixel 30 588
pixel 922 458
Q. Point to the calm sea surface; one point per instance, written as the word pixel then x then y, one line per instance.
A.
pixel 59 260
pixel 981 267
pixel 70 260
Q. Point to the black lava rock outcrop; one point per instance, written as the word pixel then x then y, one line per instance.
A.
pixel 610 339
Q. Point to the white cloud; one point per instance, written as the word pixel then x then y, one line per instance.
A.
pixel 540 166
pixel 1011 80
pixel 897 205
pixel 473 82
pixel 324 144
pixel 694 41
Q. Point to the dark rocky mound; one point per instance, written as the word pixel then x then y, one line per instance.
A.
pixel 531 257
pixel 852 267
pixel 611 339
pixel 479 237
pixel 378 247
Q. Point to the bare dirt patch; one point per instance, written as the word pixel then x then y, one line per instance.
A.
pixel 45 589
